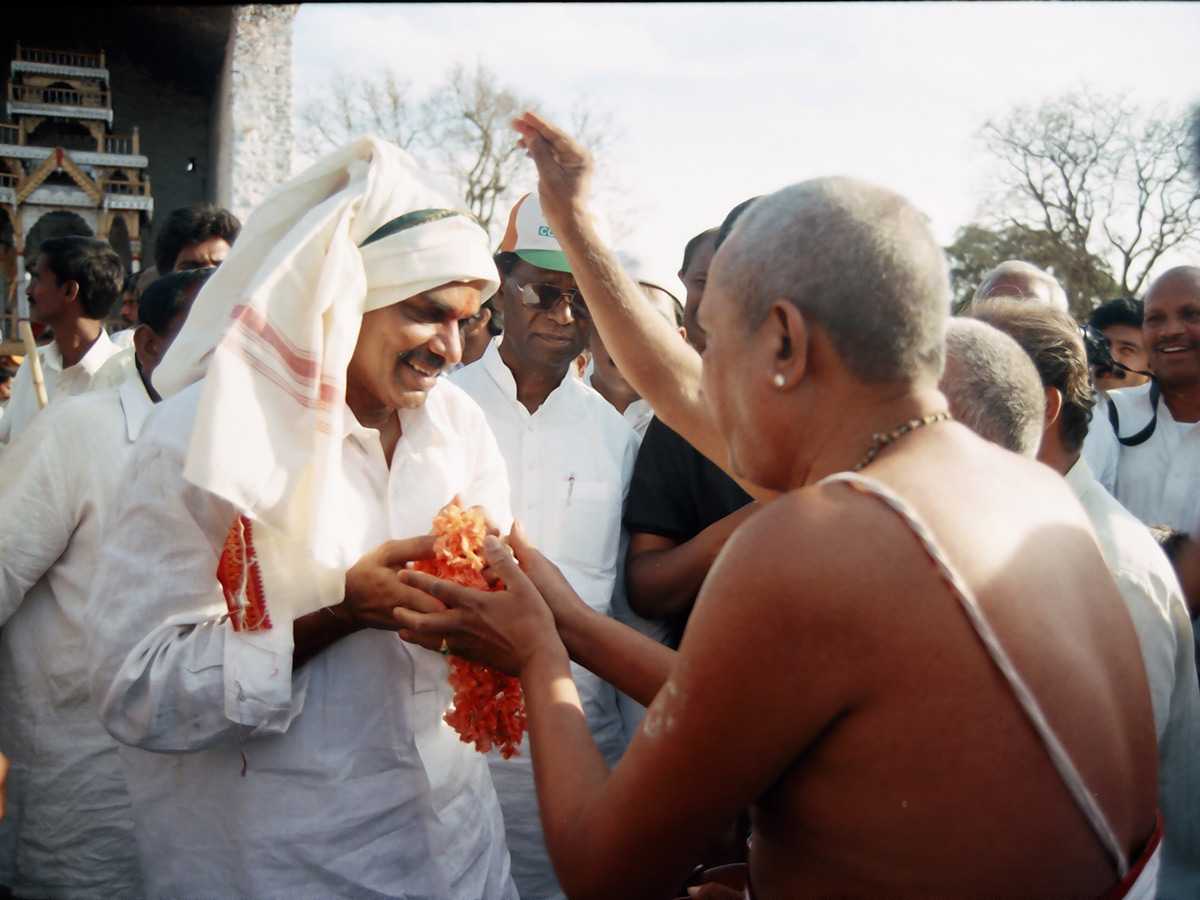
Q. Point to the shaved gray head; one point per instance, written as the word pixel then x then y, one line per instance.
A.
pixel 857 259
pixel 993 387
pixel 1019 280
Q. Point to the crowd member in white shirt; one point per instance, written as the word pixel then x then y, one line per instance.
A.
pixel 73 826
pixel 569 456
pixel 1139 567
pixel 73 283
pixel 128 312
pixel 1119 324
pixel 195 237
pixel 1156 474
pixel 282 741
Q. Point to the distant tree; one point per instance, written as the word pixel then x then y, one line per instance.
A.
pixel 978 249
pixel 460 130
pixel 352 107
pixel 1100 180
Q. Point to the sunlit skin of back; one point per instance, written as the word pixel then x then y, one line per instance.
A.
pixel 829 679
pixel 884 741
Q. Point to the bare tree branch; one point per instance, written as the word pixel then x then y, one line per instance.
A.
pixel 461 130
pixel 1103 182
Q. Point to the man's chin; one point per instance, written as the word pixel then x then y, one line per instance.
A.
pixel 411 399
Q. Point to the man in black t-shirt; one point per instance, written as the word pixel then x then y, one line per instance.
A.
pixel 681 506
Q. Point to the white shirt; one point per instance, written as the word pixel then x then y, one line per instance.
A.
pixel 74 827
pixel 637 415
pixel 569 465
pixel 1100 447
pixel 123 339
pixel 60 382
pixel 1155 602
pixel 1159 480
pixel 336 779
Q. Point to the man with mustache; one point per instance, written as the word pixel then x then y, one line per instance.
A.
pixel 281 741
pixel 570 456
pixel 1158 462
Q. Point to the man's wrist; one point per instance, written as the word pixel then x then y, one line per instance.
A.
pixel 549 660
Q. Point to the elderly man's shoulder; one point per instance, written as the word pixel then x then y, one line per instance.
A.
pixel 869 528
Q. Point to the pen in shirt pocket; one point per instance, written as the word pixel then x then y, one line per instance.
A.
pixel 570 487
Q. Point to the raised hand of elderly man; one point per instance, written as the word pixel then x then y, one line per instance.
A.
pixel 564 171
pixel 660 365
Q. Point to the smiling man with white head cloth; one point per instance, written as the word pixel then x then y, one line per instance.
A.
pixel 282 741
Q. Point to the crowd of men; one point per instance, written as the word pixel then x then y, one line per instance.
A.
pixel 812 590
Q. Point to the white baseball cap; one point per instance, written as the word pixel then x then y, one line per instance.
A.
pixel 529 236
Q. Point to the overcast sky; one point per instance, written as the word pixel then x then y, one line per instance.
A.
pixel 719 102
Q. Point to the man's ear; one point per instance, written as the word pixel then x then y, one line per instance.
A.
pixel 497 299
pixel 1054 404
pixel 147 346
pixel 789 336
pixel 70 291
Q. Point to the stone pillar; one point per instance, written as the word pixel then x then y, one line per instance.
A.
pixel 253 107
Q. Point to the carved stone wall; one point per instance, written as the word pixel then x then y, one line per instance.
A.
pixel 253 107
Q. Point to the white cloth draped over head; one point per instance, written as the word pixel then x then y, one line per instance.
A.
pixel 273 330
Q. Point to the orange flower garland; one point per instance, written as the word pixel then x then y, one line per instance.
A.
pixel 489 708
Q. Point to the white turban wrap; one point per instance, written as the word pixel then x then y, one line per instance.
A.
pixel 273 330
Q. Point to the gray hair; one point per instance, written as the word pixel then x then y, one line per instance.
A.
pixel 858 260
pixel 1021 280
pixel 993 387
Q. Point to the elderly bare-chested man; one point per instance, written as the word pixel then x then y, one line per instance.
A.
pixel 897 729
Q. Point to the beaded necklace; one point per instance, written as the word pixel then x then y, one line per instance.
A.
pixel 879 440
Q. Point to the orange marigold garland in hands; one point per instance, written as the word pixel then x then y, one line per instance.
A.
pixel 489 708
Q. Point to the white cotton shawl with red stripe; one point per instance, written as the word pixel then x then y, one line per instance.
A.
pixel 273 330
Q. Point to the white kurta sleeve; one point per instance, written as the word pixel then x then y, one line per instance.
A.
pixel 38 504
pixel 167 670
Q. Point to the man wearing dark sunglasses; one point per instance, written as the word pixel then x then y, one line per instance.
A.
pixel 569 456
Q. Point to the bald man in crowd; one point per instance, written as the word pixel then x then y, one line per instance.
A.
pixel 1015 278
pixel 992 386
pixel 872 605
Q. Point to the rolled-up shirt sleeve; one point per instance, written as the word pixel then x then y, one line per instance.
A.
pixel 167 670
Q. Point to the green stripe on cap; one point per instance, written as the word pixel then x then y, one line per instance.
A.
pixel 412 220
pixel 554 260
